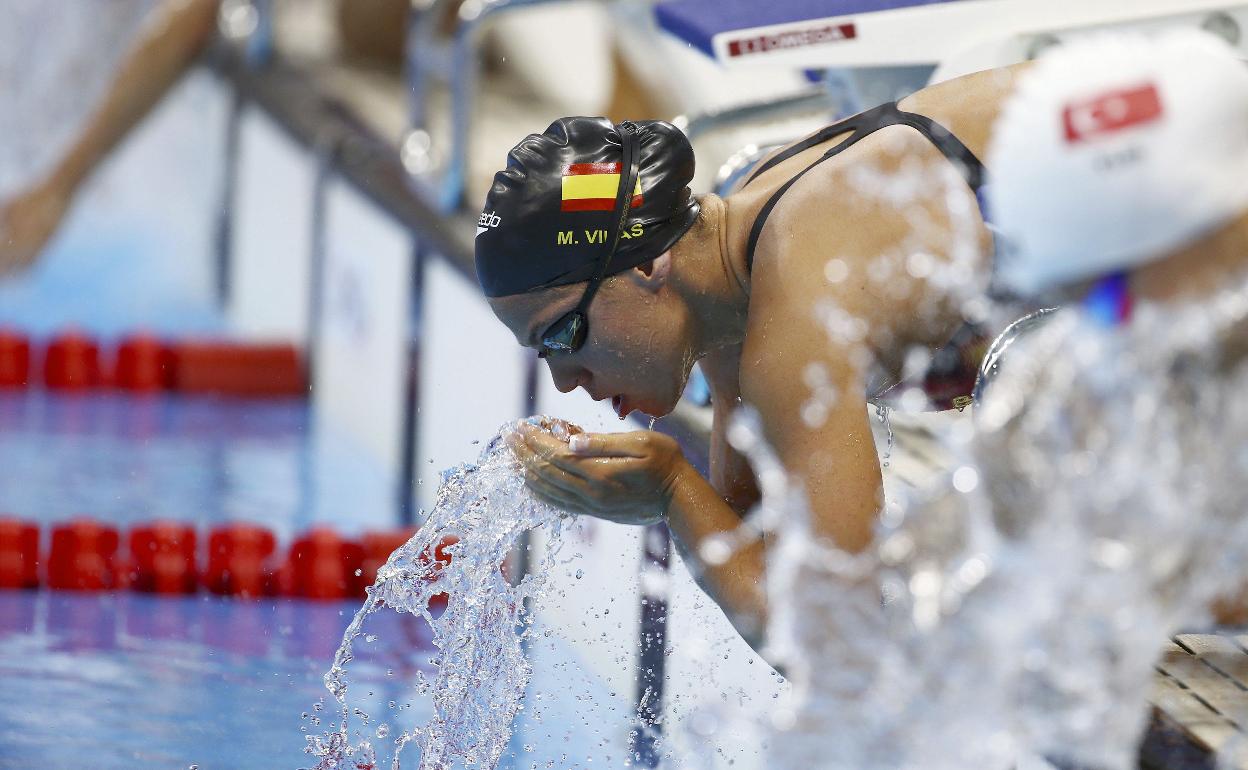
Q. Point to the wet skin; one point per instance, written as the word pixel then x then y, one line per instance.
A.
pixel 792 330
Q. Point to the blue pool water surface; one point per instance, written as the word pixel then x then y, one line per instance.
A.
pixel 128 459
pixel 127 680
pixel 136 681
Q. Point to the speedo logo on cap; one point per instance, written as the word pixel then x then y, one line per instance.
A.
pixel 488 220
pixel 1111 112
pixel 593 186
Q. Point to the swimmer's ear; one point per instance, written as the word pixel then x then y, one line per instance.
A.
pixel 653 274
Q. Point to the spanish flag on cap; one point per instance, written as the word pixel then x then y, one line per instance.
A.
pixel 593 186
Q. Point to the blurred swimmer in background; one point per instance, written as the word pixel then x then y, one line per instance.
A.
pixel 1122 192
pixel 1097 509
pixel 801 295
pixel 1110 445
pixel 171 36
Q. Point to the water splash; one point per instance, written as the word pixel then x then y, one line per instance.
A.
pixel 881 414
pixel 481 669
pixel 1010 613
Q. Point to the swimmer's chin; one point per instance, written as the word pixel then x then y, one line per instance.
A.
pixel 658 410
pixel 624 406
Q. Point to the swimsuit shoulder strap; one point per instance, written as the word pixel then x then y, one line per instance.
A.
pixel 852 123
pixel 862 125
pixel 949 145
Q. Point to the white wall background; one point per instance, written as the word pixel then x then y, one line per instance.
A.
pixel 271 239
pixel 471 378
pixel 361 354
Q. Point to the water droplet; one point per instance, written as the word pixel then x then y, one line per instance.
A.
pixel 486 507
pixel 965 479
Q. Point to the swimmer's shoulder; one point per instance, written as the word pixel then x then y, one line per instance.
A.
pixel 830 231
pixel 968 105
pixel 807 228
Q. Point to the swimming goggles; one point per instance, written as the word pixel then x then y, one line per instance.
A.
pixel 569 332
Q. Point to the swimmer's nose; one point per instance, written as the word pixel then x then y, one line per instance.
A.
pixel 565 381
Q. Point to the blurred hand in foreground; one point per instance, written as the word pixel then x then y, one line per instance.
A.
pixel 627 478
pixel 27 222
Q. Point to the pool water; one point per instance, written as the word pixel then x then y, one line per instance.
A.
pixel 126 680
pixel 129 680
pixel 128 459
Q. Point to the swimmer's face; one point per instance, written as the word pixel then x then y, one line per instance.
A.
pixel 639 350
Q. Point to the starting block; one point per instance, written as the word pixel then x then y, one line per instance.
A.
pixel 961 36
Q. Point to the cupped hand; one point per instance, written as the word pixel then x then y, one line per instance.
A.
pixel 628 478
pixel 27 221
pixel 560 429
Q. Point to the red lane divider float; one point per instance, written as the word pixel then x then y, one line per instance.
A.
pixel 74 361
pixel 163 557
pixel 144 364
pixel 442 557
pixel 377 549
pixel 322 565
pixel 235 369
pixel 14 359
pixel 71 362
pixel 83 556
pixel 19 554
pixel 238 557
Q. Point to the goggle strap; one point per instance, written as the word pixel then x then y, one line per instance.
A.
pixel 629 171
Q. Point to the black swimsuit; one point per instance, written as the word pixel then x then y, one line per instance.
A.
pixel 951 377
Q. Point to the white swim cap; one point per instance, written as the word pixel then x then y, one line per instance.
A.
pixel 1115 150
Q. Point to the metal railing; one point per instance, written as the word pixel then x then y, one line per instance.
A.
pixel 451 57
pixel 815 99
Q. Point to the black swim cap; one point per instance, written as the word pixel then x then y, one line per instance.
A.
pixel 547 218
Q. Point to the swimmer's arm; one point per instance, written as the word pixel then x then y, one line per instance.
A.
pixel 805 375
pixel 829 448
pixel 172 37
pixel 730 473
pixel 697 512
